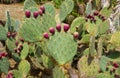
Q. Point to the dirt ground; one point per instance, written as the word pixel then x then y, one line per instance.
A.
pixel 16 11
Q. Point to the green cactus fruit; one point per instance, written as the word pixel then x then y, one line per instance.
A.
pixel 62 47
pixel 66 8
pixel 88 69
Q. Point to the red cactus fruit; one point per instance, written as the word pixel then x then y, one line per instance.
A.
pixel 40 12
pixel 3 54
pixel 16 43
pixel 116 65
pixel 9 75
pixel 116 76
pixel 15 49
pixel 89 16
pixel 27 13
pixel 8 34
pixel 46 35
pixel 42 8
pixel 75 35
pixel 58 27
pixel 52 30
pixel 35 14
pixel 13 34
pixel 21 39
pixel 66 27
pixel 96 13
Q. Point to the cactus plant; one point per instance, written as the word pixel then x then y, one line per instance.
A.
pixel 60 54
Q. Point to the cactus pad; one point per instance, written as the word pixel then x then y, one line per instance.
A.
pixel 86 69
pixel 62 47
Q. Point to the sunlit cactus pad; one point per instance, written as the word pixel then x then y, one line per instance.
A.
pixel 62 47
pixel 88 69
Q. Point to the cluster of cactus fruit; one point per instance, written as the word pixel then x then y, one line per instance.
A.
pixel 47 43
pixel 92 17
pixel 19 46
pixel 40 12
pixel 58 27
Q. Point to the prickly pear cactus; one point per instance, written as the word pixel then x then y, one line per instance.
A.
pixel 66 8
pixel 88 67
pixel 62 47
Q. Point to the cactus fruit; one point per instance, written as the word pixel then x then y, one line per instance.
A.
pixel 51 30
pixel 16 43
pixel 76 35
pixel 40 12
pixel 96 13
pixel 46 35
pixel 42 8
pixel 3 54
pixel 58 27
pixel 35 14
pixel 66 27
pixel 27 13
pixel 9 75
pixel 8 34
pixel 116 65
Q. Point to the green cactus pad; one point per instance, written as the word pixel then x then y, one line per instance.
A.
pixel 88 70
pixel 88 8
pixel 77 23
pixel 58 72
pixel 65 8
pixel 10 44
pixel 3 33
pixel 24 52
pixel 31 30
pixel 104 75
pixel 4 65
pixel 105 11
pixel 61 47
pixel 47 62
pixel 49 8
pixel 115 39
pixel 24 68
pixel 29 3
